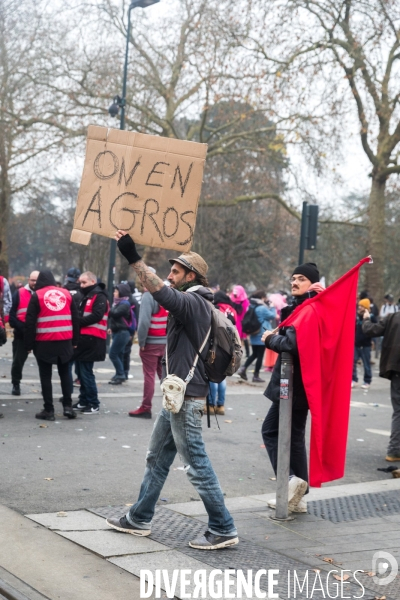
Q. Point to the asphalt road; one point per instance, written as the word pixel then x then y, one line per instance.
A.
pixel 98 460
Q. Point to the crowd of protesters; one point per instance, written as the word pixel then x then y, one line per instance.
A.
pixel 67 325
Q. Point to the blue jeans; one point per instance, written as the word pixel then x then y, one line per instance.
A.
pixel 88 391
pixel 363 352
pixel 181 433
pixel 217 388
pixel 119 342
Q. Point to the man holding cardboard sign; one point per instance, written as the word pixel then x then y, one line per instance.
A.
pixel 188 301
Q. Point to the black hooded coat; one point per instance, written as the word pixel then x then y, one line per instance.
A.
pixel 286 341
pixel 120 314
pixel 49 351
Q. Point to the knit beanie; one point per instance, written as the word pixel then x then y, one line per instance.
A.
pixel 309 270
pixel 365 303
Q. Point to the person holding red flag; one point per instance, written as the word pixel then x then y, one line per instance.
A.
pixel 304 282
pixel 319 333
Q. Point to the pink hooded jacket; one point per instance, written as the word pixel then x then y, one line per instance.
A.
pixel 239 296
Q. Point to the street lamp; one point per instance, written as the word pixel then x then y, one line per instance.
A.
pixel 119 102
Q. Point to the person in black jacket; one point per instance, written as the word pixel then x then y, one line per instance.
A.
pixel 93 312
pixel 55 351
pixel 362 349
pixel 305 285
pixel 128 348
pixel 119 323
pixel 188 300
pixel 17 319
pixel 389 368
pixel 72 284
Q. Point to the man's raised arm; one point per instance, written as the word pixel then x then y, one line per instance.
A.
pixel 127 247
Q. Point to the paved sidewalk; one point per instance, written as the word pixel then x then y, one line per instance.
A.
pixel 77 551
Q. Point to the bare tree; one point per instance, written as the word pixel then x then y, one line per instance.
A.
pixel 332 63
pixel 34 121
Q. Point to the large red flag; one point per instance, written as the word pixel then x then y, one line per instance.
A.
pixel 325 330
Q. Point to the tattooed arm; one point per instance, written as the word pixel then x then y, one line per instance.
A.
pixel 127 248
pixel 149 279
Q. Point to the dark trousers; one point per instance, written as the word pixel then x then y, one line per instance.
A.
pixel 45 371
pixel 127 357
pixel 394 442
pixel 119 341
pixel 88 390
pixel 363 352
pixel 257 355
pixel 19 357
pixel 298 454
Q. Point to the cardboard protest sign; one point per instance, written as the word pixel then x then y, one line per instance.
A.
pixel 144 184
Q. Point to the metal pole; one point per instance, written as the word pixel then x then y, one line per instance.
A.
pixel 303 232
pixel 284 438
pixel 113 245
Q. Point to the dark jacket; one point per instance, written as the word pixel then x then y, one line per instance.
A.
pixel 90 347
pixel 190 314
pixel 285 341
pixel 48 351
pixel 120 314
pixel 389 327
pixel 75 290
pixel 15 323
pixel 362 340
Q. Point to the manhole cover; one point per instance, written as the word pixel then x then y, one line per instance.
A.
pixel 355 508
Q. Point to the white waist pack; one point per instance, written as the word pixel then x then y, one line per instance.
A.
pixel 173 387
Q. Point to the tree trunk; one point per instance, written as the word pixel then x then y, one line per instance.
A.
pixel 375 272
pixel 4 219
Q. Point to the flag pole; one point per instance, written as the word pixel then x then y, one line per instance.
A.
pixel 284 439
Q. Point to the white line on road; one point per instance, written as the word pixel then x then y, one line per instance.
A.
pixel 379 431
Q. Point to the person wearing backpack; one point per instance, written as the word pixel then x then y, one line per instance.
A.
pixel 122 325
pixel 216 396
pixel 189 303
pixel 255 322
pixel 93 310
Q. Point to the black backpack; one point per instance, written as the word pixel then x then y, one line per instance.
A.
pixel 225 352
pixel 250 323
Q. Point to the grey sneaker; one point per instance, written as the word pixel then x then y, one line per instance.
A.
pixel 209 541
pixel 121 524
